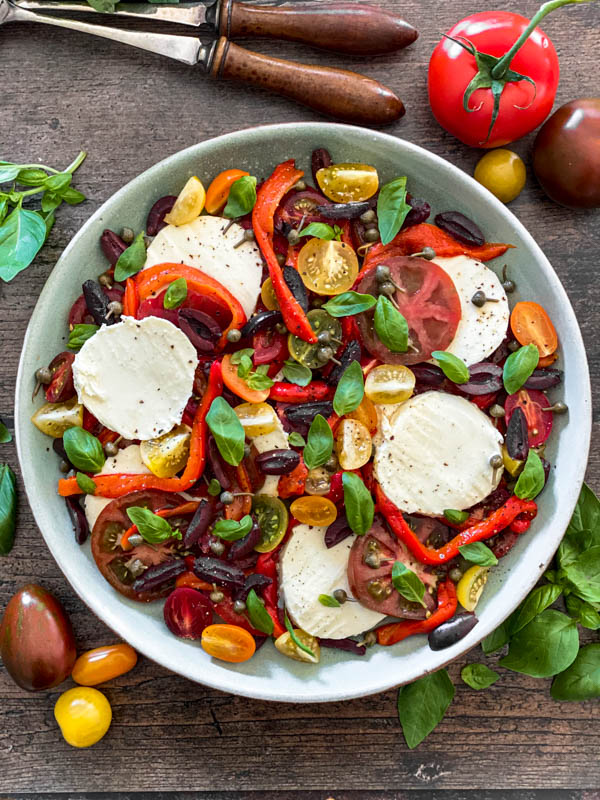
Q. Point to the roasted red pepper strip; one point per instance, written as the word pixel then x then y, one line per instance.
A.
pixel 267 199
pixel 192 582
pixel 292 484
pixel 291 393
pixel 267 565
pixel 120 484
pixel 497 521
pixel 131 298
pixel 396 631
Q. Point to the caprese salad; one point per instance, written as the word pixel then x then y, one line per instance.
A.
pixel 302 412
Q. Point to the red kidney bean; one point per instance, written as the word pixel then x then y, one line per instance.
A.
pixel 277 462
pixel 419 212
pixel 485 378
pixel 214 570
pixel 320 159
pixel 156 216
pixel 543 379
pixel 159 574
pixel 78 518
pixel 460 227
pixel 216 463
pixel 203 516
pixel 295 285
pixel 337 531
pixel 112 246
pixel 260 321
pixel 352 352
pixel 96 301
pixel 451 632
pixel 517 435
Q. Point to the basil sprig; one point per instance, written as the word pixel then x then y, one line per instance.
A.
pixel 231 530
pixel 227 430
pixel 297 373
pixel 259 380
pixel 329 601
pixel 83 450
pixel 544 647
pixel 478 553
pixel 80 334
pixel 358 503
pixel 319 443
pixel 408 584
pixel 258 614
pixel 478 676
pixel 422 705
pixel 519 366
pixel 176 293
pixel 456 517
pixel 131 260
pixel 392 208
pixel 5 434
pixel 348 303
pixel 350 390
pixel 296 439
pixel 295 639
pixel 85 483
pixel 151 527
pixel 580 681
pixel 532 479
pixel 242 197
pixel 8 508
pixel 453 367
pixel 320 230
pixel 390 326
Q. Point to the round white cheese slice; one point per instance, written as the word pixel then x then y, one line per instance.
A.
pixel 136 376
pixel 308 569
pixel 127 460
pixel 205 244
pixel 435 454
pixel 480 330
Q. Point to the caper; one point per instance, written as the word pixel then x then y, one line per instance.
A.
pixel 513 346
pixel 111 449
pixel 216 596
pixel 43 375
pixel 281 259
pixel 114 309
pixel 249 235
pixel 217 548
pixel 455 574
pixel 105 280
pixel 387 288
pixel 300 186
pixel 136 539
pixel 331 465
pixel 509 286
pixel 497 411
pixel 340 595
pixel 234 335
pixel 324 337
pixel 226 498
pixel 247 450
pixel 280 327
pixel 64 467
pixel 293 237
pixel 428 253
pixel 372 560
pixel 371 235
pixel 239 606
pixel 479 299
pixel 325 353
pixel 368 216
pixel 557 408
pixel 370 639
pixel 382 273
pixel 128 235
pixel 496 461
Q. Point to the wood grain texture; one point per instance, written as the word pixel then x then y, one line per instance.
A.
pixel 63 91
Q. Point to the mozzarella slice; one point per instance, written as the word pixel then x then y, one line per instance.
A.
pixel 308 569
pixel 127 460
pixel 435 454
pixel 136 376
pixel 205 244
pixel 480 330
pixel 276 440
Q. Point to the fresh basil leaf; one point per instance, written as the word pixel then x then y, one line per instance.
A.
pixel 22 234
pixel 3 208
pixel 242 197
pixel 329 601
pixel 422 705
pixel 575 544
pixel 350 390
pixel 85 483
pixel 214 487
pixel 227 430
pixel 584 613
pixel 5 435
pixel 532 479
pixel 586 516
pixel 390 326
pixel 407 583
pixel 582 576
pixel 8 508
pixel 358 503
pixel 348 303
pixel 8 172
pixel 176 293
pixel 104 6
pixel 478 676
pixel 320 230
pixel 478 553
pixel 456 517
pixel 59 182
pixel 536 601
pixel 50 202
pixel 544 647
pixel 296 373
pixel 295 639
pixel 496 639
pixel 296 439
pixel 244 367
pixel 32 176
pixel 236 358
pixel 131 260
pixel 454 368
pixel 259 380
pixel 80 334
pixel 258 614
pixel 581 681
pixel 83 450
pixel 49 221
pixel 151 527
pixel 319 443
pixel 519 366
pixel 392 208
pixel 230 530
pixel 337 233
pixel 71 196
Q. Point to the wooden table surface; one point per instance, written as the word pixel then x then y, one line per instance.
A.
pixel 64 91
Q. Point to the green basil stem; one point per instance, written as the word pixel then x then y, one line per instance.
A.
pixel 501 68
pixel 83 154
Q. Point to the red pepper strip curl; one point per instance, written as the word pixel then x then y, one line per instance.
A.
pixel 397 631
pixel 267 565
pixel 165 513
pixel 119 484
pixel 131 298
pixel 291 393
pixel 270 194
pixel 497 521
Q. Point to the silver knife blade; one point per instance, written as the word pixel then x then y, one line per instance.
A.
pixel 194 14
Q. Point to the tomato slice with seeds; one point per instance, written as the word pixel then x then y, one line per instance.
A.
pixel 532 403
pixel 428 301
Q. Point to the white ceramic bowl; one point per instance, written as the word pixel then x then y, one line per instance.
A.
pixel 339 676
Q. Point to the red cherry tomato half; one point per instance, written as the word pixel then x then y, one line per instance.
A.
pixel 532 403
pixel 79 313
pixel 187 612
pixel 61 386
pixel 298 206
pixel 429 303
pixel 522 108
pixel 269 346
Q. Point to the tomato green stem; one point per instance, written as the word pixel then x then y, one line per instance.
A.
pixel 503 65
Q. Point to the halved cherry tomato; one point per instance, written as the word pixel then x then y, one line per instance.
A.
pixel 61 386
pixel 218 191
pixel 189 203
pixel 103 664
pixel 238 385
pixel 353 444
pixel 532 403
pixel 314 510
pixel 269 346
pixel 298 206
pixel 344 183
pixel 365 413
pixel 531 325
pixel 327 267
pixel 429 303
pixel 228 643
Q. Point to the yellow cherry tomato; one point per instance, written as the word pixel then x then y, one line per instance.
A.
pixel 189 203
pixel 286 645
pixel 512 465
pixel 228 643
pixel 268 296
pixel 83 715
pixel 503 173
pixel 256 418
pixel 365 413
pixel 390 383
pixel 54 419
pixel 319 511
pixel 168 454
pixel 353 444
pixel 470 587
pixel 327 266
pixel 103 664
pixel 318 482
pixel 345 183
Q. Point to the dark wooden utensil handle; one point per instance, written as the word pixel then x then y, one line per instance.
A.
pixel 353 28
pixel 336 92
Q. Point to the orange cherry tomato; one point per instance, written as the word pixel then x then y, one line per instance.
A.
pixel 314 510
pixel 532 325
pixel 103 664
pixel 238 385
pixel 228 642
pixel 218 192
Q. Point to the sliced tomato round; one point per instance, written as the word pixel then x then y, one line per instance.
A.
pixel 155 307
pixel 532 403
pixel 426 297
pixel 120 567
pixel 297 206
pixel 372 585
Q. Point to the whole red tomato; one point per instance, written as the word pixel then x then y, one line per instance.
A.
pixel 522 108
